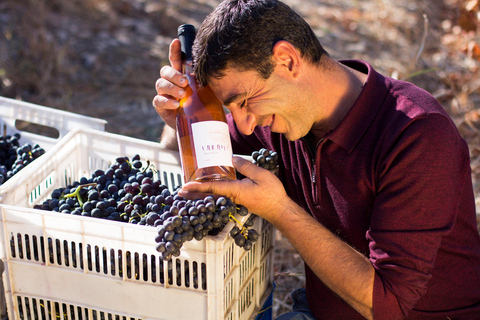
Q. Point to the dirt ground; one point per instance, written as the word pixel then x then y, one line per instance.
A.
pixel 101 58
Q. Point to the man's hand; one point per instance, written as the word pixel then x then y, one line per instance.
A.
pixel 261 191
pixel 169 89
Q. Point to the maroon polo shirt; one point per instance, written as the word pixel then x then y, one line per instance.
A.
pixel 392 180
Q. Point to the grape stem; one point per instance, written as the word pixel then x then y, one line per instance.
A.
pixel 150 165
pixel 243 230
pixel 77 192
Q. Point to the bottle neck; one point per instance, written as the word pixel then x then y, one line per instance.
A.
pixel 188 67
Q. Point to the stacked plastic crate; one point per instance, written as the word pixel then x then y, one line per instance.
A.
pixel 74 267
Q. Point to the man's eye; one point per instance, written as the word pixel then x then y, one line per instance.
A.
pixel 244 102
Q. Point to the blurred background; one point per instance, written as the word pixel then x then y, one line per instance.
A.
pixel 101 58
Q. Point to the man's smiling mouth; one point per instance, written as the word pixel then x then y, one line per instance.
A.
pixel 270 121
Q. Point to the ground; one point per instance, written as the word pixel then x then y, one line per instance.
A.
pixel 101 58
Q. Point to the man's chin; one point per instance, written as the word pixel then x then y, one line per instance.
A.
pixel 291 137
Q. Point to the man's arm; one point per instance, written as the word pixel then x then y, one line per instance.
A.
pixel 344 270
pixel 340 267
pixel 169 138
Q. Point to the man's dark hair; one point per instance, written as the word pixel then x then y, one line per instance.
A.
pixel 242 33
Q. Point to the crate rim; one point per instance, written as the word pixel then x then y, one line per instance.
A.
pixel 59 112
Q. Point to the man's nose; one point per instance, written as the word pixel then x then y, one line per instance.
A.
pixel 245 122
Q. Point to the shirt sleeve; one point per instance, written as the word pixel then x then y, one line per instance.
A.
pixel 419 182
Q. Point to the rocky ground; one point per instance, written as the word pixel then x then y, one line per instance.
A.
pixel 101 58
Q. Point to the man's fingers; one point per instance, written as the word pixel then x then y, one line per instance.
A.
pixel 193 195
pixel 193 190
pixel 175 55
pixel 196 190
pixel 163 104
pixel 245 167
pixel 197 187
pixel 166 88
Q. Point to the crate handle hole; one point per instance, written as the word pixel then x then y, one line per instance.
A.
pixel 35 128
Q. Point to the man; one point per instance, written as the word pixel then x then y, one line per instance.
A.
pixel 377 195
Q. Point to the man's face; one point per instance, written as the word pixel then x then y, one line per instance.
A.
pixel 254 101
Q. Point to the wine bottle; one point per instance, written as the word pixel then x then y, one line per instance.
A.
pixel 202 130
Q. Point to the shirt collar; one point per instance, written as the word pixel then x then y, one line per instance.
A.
pixel 360 116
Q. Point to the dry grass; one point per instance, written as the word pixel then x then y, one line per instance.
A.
pixel 101 58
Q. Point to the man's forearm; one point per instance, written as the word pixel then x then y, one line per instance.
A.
pixel 347 272
pixel 168 139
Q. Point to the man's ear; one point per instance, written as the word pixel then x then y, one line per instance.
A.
pixel 286 56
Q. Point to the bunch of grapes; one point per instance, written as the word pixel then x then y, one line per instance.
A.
pixel 128 192
pixel 194 219
pixel 123 192
pixel 14 157
pixel 188 219
pixel 265 158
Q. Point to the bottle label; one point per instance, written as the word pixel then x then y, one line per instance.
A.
pixel 212 144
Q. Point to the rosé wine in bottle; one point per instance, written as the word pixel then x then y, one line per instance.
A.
pixel 202 130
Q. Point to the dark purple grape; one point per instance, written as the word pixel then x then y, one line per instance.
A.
pixel 208 225
pixel 160 246
pixel 168 236
pixel 185 224
pixel 160 200
pixel 221 201
pixel 161 231
pixel 137 164
pixel 137 199
pixel 209 199
pixel 112 188
pixel 128 209
pixel 193 220
pixel 242 211
pixel 235 230
pixel 202 218
pixel 166 256
pixel 146 188
pixel 216 217
pixel 177 221
pixel 211 207
pixel 97 213
pixel 119 173
pixel 168 200
pixel 247 246
pixel 239 239
pixel 170 246
pixel 193 211
pixel 198 227
pixel 177 238
pixel 168 225
pixel 101 205
pixel 183 211
pixel 252 235
pixel 201 208
pixel 198 235
pixel 151 218
pixel 65 206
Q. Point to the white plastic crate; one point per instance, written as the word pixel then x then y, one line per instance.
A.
pixel 52 124
pixel 12 111
pixel 73 267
